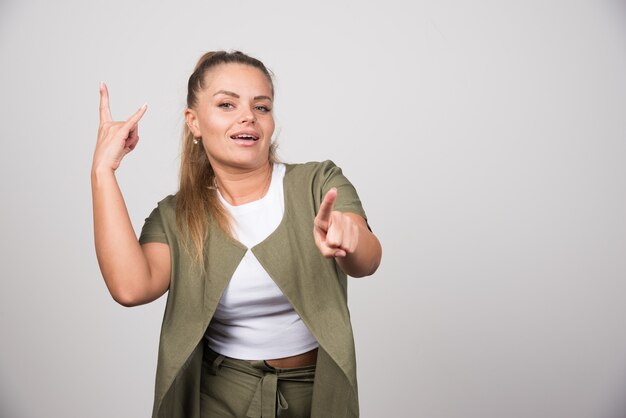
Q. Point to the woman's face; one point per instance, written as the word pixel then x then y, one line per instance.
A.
pixel 233 116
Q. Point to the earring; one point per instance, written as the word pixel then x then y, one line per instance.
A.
pixel 195 141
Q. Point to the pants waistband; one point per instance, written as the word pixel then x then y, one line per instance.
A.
pixel 267 400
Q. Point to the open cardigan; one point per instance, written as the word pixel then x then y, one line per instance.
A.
pixel 314 285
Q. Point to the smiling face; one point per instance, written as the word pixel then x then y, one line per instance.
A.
pixel 233 116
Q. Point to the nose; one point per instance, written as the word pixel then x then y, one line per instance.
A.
pixel 247 116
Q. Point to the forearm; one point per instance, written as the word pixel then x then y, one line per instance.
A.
pixel 364 261
pixel 123 264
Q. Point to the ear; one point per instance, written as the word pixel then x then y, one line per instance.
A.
pixel 191 118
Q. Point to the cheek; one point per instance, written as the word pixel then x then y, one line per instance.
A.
pixel 213 125
pixel 270 126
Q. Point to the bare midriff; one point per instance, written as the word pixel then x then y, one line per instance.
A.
pixel 300 360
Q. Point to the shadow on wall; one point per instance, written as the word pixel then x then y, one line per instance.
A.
pixel 6 410
pixel 617 408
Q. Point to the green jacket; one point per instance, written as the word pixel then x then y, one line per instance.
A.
pixel 314 285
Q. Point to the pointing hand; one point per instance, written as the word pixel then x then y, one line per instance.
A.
pixel 335 233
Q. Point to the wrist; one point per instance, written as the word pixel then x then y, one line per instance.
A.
pixel 98 173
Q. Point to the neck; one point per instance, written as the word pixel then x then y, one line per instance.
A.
pixel 240 187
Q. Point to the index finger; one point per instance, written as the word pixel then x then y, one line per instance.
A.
pixel 326 207
pixel 134 119
pixel 105 110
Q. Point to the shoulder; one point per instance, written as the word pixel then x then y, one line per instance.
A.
pixel 311 167
pixel 168 201
pixel 159 224
pixel 311 181
pixel 166 208
pixel 312 172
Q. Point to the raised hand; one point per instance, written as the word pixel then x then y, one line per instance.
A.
pixel 336 234
pixel 115 139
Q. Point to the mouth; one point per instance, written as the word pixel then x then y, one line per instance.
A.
pixel 245 136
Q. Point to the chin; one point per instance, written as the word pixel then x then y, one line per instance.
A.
pixel 250 163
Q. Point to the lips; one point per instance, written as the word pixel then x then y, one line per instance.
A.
pixel 248 136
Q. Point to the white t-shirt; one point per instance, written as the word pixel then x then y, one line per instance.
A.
pixel 254 320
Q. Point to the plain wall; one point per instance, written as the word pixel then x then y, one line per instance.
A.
pixel 487 142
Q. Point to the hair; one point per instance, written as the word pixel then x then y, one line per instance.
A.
pixel 197 203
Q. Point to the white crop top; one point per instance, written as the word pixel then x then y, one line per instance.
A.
pixel 254 320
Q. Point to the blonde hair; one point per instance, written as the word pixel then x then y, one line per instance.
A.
pixel 197 203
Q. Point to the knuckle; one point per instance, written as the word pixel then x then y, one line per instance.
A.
pixel 107 125
pixel 333 242
pixel 325 250
pixel 319 224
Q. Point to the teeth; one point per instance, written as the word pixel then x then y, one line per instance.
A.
pixel 244 136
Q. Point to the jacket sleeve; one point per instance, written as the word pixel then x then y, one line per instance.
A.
pixel 153 230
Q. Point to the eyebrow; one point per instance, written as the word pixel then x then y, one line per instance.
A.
pixel 235 95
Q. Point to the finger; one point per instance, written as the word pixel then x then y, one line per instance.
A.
pixel 105 110
pixel 354 238
pixel 136 117
pixel 350 238
pixel 339 254
pixel 347 238
pixel 331 252
pixel 133 137
pixel 335 233
pixel 326 208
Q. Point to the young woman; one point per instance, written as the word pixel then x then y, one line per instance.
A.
pixel 254 254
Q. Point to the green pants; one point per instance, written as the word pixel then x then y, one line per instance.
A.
pixel 252 389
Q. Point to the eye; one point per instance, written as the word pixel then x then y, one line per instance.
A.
pixel 263 108
pixel 226 105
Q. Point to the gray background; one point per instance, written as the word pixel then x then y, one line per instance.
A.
pixel 487 141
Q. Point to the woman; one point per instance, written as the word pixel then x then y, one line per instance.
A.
pixel 254 254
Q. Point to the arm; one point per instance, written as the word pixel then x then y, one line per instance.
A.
pixel 345 237
pixel 134 274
